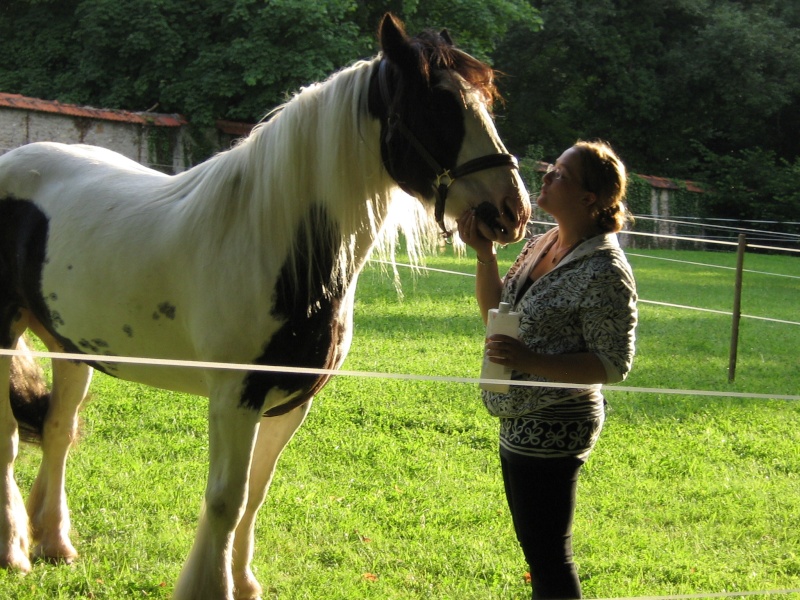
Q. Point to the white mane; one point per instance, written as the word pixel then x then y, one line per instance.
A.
pixel 318 149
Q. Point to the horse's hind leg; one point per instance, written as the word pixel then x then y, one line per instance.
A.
pixel 47 503
pixel 273 435
pixel 13 520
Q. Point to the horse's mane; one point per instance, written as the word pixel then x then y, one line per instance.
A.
pixel 319 148
pixel 436 51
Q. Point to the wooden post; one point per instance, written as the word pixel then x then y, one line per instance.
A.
pixel 737 307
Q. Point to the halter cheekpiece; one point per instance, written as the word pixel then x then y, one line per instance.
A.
pixel 444 177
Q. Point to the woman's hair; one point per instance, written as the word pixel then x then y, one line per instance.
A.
pixel 604 175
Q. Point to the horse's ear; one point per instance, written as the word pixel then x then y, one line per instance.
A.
pixel 446 37
pixel 391 31
pixel 394 41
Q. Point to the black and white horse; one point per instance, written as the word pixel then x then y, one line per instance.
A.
pixel 251 257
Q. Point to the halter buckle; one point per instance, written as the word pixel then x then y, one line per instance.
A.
pixel 444 179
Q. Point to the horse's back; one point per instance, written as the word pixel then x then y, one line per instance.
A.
pixel 53 154
pixel 28 172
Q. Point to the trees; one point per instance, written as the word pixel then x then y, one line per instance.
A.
pixel 654 77
pixel 682 88
pixel 210 59
pixel 692 89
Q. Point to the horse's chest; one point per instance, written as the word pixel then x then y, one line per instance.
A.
pixel 314 305
pixel 318 340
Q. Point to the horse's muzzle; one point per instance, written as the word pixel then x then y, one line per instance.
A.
pixel 507 224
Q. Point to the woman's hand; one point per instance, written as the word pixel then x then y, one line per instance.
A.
pixel 509 352
pixel 470 234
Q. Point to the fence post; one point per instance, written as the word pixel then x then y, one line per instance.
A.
pixel 737 307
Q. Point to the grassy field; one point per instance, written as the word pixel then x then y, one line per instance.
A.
pixel 392 488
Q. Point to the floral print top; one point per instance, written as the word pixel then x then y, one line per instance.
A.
pixel 587 303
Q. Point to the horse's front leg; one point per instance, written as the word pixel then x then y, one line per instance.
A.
pixel 47 502
pixel 206 575
pixel 273 435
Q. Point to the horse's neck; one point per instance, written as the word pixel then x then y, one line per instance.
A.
pixel 320 152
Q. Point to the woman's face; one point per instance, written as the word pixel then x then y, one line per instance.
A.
pixel 562 185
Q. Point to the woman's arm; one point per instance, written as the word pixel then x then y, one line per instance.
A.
pixel 581 367
pixel 607 322
pixel 488 284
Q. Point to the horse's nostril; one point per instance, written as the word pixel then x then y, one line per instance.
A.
pixel 487 213
pixel 509 213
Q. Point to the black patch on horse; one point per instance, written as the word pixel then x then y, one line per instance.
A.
pixel 308 295
pixel 23 243
pixel 23 253
pixel 167 309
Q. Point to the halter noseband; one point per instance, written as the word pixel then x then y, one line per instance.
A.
pixel 445 177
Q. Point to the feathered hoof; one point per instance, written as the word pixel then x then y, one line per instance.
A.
pixel 247 588
pixel 15 559
pixel 60 556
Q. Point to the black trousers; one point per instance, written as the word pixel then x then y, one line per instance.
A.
pixel 541 495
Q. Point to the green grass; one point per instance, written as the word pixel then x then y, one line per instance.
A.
pixel 392 489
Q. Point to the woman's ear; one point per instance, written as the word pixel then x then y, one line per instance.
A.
pixel 589 199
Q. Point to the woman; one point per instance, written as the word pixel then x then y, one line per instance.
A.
pixel 577 296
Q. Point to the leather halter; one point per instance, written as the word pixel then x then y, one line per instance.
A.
pixel 444 177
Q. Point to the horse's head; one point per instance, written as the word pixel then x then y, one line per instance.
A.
pixel 438 140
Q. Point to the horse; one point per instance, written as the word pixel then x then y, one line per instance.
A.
pixel 251 258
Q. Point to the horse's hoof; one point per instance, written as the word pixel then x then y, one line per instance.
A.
pixel 249 589
pixel 56 560
pixel 15 561
pixel 61 556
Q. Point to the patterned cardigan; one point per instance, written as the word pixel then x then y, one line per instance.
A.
pixel 587 303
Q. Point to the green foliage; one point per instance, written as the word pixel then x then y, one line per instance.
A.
pixel 233 59
pixel 682 202
pixel 214 59
pixel 751 184
pixel 639 195
pixel 651 76
pixel 258 53
pixel 160 147
pixel 657 79
pixel 530 168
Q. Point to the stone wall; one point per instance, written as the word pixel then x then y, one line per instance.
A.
pixel 160 141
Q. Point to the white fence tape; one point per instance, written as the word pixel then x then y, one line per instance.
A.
pixel 166 362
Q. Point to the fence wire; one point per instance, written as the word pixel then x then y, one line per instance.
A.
pixel 467 380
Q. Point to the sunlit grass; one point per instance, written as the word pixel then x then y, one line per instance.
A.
pixel 392 489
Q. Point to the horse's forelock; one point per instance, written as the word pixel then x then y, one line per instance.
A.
pixel 436 53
